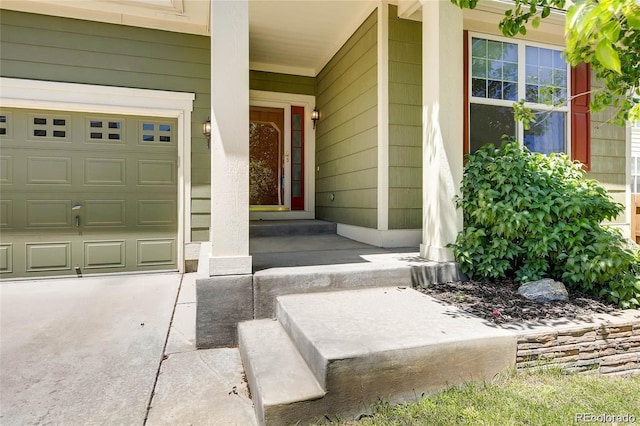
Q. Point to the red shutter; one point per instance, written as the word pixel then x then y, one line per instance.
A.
pixel 580 116
pixel 465 97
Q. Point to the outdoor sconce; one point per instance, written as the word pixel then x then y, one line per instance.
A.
pixel 206 131
pixel 315 117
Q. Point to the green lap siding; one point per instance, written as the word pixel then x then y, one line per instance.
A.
pixel 346 135
pixel 405 122
pixel 609 161
pixel 285 83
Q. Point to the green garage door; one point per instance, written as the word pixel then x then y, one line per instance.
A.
pixel 85 193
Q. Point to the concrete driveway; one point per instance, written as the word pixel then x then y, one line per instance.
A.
pixel 82 351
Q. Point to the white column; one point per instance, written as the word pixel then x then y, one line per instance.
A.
pixel 229 138
pixel 442 126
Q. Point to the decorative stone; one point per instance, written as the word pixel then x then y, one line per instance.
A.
pixel 545 290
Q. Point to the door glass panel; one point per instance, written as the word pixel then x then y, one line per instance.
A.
pixel 296 189
pixel 264 163
pixel 297 121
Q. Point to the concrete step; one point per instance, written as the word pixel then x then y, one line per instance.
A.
pixel 283 387
pixel 271 283
pixel 278 228
pixel 388 343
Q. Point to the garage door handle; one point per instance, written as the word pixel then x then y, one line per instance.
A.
pixel 77 221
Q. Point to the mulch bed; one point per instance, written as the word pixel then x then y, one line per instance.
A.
pixel 500 302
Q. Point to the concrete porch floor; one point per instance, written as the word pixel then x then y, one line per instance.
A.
pixel 276 244
pixel 313 250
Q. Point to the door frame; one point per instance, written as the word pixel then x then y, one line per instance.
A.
pixel 285 101
pixel 38 94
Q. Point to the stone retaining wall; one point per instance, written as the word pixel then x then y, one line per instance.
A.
pixel 605 344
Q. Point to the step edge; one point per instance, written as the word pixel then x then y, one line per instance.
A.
pixel 256 388
pixel 318 368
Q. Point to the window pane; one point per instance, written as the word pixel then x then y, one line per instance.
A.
pixel 546 72
pixel 510 72
pixel 495 70
pixel 548 133
pixel 545 58
pixel 494 89
pixel 532 74
pixel 479 87
pixel 532 93
pixel 494 50
pixel 479 68
pixel 492 64
pixel 488 123
pixel 558 60
pixel 560 77
pixel 509 91
pixel 544 76
pixel 479 47
pixel 532 55
pixel 510 52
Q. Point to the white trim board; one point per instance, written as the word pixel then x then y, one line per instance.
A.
pixel 378 238
pixel 286 100
pixel 36 94
pixel 383 116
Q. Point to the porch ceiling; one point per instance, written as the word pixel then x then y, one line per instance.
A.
pixel 299 37
pixel 289 36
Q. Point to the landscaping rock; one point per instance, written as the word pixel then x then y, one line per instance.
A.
pixel 545 290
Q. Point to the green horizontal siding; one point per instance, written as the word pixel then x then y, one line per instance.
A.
pixel 609 162
pixel 405 122
pixel 51 48
pixel 285 83
pixel 346 136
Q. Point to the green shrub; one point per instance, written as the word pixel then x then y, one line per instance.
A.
pixel 531 216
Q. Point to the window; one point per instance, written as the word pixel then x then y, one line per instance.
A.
pixel 503 71
pixel 635 174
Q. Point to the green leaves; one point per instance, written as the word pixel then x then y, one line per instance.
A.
pixel 607 56
pixel 535 23
pixel 532 216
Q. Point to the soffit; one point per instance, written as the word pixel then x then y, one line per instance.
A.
pixel 296 37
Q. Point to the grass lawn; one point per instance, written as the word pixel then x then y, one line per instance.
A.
pixel 532 398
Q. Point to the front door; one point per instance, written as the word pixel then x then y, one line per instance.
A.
pixel 267 157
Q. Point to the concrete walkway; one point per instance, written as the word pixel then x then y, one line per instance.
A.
pixel 204 387
pixel 87 351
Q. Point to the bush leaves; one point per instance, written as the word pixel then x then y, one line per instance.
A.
pixel 533 216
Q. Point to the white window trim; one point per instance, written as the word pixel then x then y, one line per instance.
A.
pixel 285 101
pixel 36 94
pixel 522 44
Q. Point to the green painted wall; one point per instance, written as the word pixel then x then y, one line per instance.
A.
pixel 405 122
pixel 285 83
pixel 346 136
pixel 608 153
